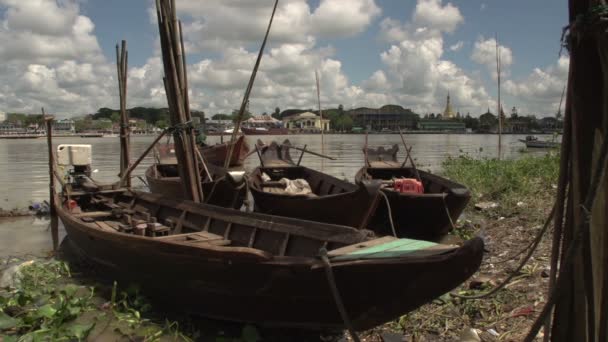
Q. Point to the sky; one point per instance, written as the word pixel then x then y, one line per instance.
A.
pixel 60 54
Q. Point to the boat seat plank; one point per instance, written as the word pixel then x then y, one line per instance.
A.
pixel 94 214
pixel 105 226
pixel 191 236
pixel 358 246
pixel 397 248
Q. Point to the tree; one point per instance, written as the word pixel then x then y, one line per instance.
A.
pixel 341 109
pixel 220 116
pixel 162 124
pixel 115 117
pixel 277 113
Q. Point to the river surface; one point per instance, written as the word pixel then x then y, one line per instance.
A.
pixel 24 173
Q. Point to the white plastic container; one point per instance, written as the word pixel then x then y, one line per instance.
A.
pixel 76 155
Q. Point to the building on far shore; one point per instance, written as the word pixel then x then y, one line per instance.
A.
pixel 446 123
pixel 306 122
pixel 64 126
pixel 388 117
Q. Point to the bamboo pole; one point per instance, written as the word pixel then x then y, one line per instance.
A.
pixel 239 118
pixel 48 120
pixel 320 112
pixel 409 156
pixel 499 105
pixel 121 66
pixel 127 173
pixel 176 90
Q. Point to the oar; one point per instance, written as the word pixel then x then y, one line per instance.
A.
pixel 309 151
pixel 408 156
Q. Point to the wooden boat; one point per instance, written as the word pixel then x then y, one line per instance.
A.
pixel 264 130
pixel 425 216
pixel 533 142
pixel 217 154
pixel 248 267
pixel 221 190
pixel 333 200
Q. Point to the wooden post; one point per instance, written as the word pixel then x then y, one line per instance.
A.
pixel 499 106
pixel 239 118
pixel 320 112
pixel 121 66
pixel 48 120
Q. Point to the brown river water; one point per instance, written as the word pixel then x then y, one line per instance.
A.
pixel 24 167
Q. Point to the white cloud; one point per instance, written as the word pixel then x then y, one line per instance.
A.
pixel 218 24
pixel 416 72
pixel 51 58
pixel 457 46
pixel 484 53
pixel 432 13
pixel 540 91
pixel 335 18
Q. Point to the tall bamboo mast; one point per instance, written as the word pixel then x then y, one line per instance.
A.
pixel 121 66
pixel 320 112
pixel 499 105
pixel 239 118
pixel 176 88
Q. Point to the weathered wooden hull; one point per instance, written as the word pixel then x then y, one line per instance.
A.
pixel 222 192
pixel 339 202
pixel 418 216
pixel 216 154
pixel 258 288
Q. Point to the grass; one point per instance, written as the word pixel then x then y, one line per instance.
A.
pixel 524 191
pixel 526 180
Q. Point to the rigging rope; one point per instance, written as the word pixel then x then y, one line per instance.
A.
pixel 390 213
pixel 336 294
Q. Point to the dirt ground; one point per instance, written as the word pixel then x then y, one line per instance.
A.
pixel 504 316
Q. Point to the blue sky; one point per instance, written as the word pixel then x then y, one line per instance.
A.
pixel 345 39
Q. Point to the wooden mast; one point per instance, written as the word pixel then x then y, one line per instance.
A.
pixel 48 120
pixel 320 112
pixel 121 66
pixel 239 118
pixel 499 105
pixel 176 88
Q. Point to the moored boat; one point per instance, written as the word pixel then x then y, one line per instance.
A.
pixel 264 130
pixel 256 268
pixel 217 153
pixel 533 142
pixel 323 198
pixel 427 215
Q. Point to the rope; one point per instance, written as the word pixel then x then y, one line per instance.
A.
pixel 536 242
pixel 594 18
pixel 390 213
pixel 447 211
pixel 336 294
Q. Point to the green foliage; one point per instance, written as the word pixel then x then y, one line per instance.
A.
pixel 149 115
pixel 115 117
pixel 42 307
pixel 509 181
pixel 220 116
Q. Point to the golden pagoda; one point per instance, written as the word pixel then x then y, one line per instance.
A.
pixel 448 113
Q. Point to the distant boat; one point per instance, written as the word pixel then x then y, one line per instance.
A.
pixel 533 142
pixel 110 135
pixel 91 135
pixel 265 130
